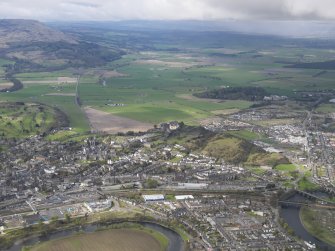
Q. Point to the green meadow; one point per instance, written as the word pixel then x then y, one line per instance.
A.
pixel 53 95
pixel 18 120
pixel 158 85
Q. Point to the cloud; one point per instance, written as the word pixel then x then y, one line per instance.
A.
pixel 83 4
pixel 278 9
pixel 168 9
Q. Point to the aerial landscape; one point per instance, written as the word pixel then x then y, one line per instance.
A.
pixel 164 126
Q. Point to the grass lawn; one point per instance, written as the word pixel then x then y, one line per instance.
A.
pixel 265 159
pixel 286 167
pixel 230 147
pixel 258 170
pixel 326 108
pixel 60 135
pixel 305 184
pixel 245 134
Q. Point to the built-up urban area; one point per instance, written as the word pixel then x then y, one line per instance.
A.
pixel 218 204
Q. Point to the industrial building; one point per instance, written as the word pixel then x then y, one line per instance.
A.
pixel 153 197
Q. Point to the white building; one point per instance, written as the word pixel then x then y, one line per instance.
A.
pixel 193 185
pixel 153 197
pixel 184 197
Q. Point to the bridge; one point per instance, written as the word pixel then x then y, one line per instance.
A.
pixel 301 203
pixel 314 197
pixel 293 203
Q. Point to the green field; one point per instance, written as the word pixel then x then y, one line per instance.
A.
pixel 266 159
pixel 153 95
pixel 305 184
pixel 111 240
pixel 20 120
pixel 247 135
pixel 157 92
pixel 286 167
pixel 320 223
pixel 51 94
pixel 232 149
pixel 326 108
pixel 157 85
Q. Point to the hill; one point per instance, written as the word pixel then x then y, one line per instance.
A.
pixel 36 47
pixel 225 146
pixel 29 31
pixel 18 119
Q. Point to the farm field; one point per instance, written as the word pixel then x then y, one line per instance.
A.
pixel 106 122
pixel 46 88
pixel 326 108
pixel 5 85
pixel 111 240
pixel 156 85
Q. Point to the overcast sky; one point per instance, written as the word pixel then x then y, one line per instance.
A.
pixel 168 9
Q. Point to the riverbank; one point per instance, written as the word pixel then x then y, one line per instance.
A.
pixel 167 239
pixel 291 216
pixel 319 223
pixel 126 236
pixel 68 224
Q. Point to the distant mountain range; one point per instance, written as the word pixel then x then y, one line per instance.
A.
pixel 29 31
pixel 34 46
pixel 288 29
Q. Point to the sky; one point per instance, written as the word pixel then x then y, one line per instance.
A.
pixel 77 10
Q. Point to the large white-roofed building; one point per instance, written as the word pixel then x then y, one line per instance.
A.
pixel 153 197
pixel 184 197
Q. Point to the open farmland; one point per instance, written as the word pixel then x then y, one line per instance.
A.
pixel 54 90
pixel 152 94
pixel 111 240
pixel 187 140
pixel 106 122
pixel 158 84
pixel 5 85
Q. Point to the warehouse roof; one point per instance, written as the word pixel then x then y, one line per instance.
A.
pixel 153 197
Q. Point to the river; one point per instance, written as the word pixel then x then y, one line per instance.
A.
pixel 175 241
pixel 291 215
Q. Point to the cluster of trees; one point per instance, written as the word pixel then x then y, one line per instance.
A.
pixel 10 70
pixel 17 85
pixel 235 93
pixel 151 183
pixel 82 54
pixel 327 65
